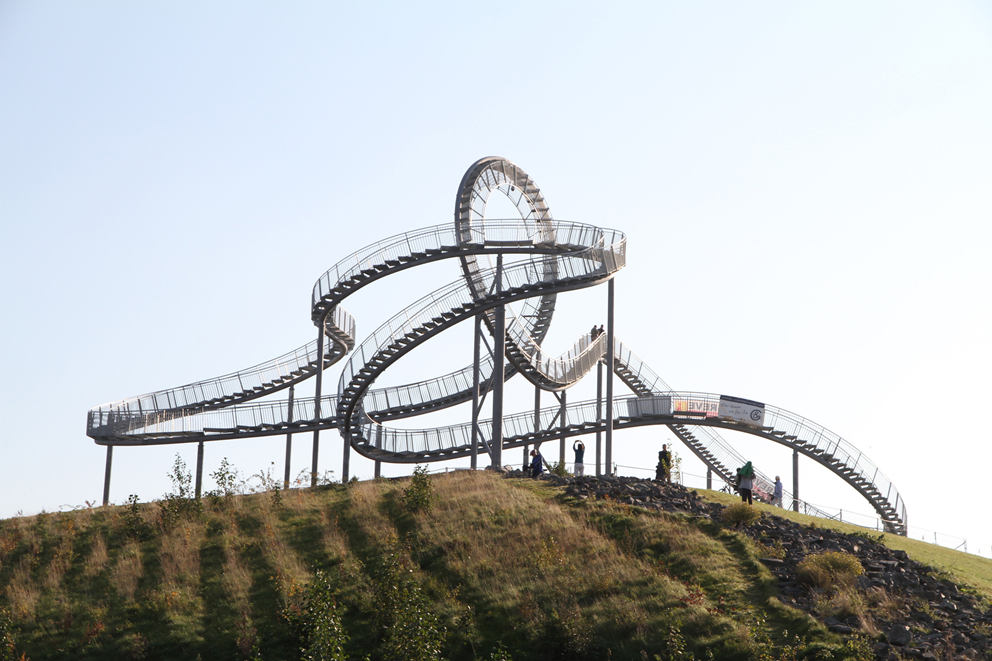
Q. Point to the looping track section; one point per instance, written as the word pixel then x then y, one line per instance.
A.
pixel 517 266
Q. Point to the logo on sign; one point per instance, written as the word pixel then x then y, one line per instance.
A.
pixel 756 415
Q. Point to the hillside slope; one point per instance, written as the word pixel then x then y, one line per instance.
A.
pixel 494 568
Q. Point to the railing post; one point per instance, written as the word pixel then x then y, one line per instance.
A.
pixel 289 438
pixel 316 411
pixel 199 468
pixel 609 375
pixel 795 480
pixel 106 475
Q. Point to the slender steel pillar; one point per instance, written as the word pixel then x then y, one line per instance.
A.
pixel 476 352
pixel 709 478
pixel 537 424
pixel 106 475
pixel 795 480
pixel 599 416
pixel 199 468
pixel 316 408
pixel 562 423
pixel 289 438
pixel 609 376
pixel 378 445
pixel 499 361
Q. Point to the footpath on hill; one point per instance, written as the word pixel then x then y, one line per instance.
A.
pixel 920 613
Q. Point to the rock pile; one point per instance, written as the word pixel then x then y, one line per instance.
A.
pixel 926 616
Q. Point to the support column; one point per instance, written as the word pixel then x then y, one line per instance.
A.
pixel 609 376
pixel 537 424
pixel 795 480
pixel 709 478
pixel 378 446
pixel 562 423
pixel 316 408
pixel 199 468
pixel 289 438
pixel 106 475
pixel 476 352
pixel 599 416
pixel 499 361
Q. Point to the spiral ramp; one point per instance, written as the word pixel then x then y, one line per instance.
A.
pixel 548 257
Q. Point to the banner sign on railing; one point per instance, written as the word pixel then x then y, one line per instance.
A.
pixel 693 405
pixel 742 410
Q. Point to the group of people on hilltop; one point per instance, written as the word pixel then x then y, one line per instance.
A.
pixel 745 484
pixel 537 460
pixel 663 471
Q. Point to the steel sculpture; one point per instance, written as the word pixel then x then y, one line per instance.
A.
pixel 548 257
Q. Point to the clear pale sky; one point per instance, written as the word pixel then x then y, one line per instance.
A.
pixel 806 188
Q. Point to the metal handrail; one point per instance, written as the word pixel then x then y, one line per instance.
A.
pixel 262 376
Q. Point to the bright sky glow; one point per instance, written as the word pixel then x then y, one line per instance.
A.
pixel 806 188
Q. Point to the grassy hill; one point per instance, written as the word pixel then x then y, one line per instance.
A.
pixel 487 568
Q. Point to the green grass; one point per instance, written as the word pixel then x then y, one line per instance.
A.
pixel 501 563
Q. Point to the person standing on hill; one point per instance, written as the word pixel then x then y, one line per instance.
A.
pixel 745 481
pixel 663 471
pixel 777 496
pixel 536 464
pixel 580 452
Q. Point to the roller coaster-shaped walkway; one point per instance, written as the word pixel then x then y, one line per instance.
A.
pixel 548 257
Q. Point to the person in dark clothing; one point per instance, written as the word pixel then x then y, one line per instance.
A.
pixel 745 482
pixel 580 452
pixel 663 471
pixel 536 464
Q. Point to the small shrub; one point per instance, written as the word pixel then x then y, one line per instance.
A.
pixel 410 625
pixel 740 514
pixel 181 502
pixel 228 480
pixel 419 495
pixel 557 468
pixel 7 647
pixel 321 622
pixel 829 570
pixel 133 524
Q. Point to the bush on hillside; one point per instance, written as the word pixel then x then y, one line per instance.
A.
pixel 419 496
pixel 829 570
pixel 740 514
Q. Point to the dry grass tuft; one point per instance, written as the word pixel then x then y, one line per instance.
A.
pixel 126 572
pixel 179 555
pixel 22 593
pixel 98 557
